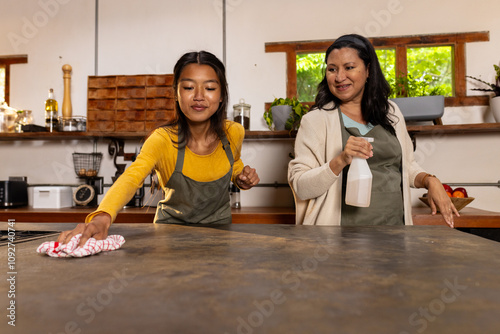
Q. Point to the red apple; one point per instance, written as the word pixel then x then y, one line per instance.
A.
pixel 457 191
pixel 447 188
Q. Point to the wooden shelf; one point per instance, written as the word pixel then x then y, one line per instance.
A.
pixel 252 135
pixel 454 128
pixel 69 135
pixel 249 135
pixel 256 135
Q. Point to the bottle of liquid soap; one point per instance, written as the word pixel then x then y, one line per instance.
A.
pixel 359 182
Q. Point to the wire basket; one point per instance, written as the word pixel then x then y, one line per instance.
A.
pixel 87 164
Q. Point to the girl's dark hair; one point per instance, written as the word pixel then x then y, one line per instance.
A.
pixel 218 118
pixel 374 104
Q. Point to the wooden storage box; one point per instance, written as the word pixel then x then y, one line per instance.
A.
pixel 129 103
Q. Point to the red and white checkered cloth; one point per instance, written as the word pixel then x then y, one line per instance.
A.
pixel 91 247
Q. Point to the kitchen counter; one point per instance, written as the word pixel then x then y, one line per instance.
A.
pixel 470 217
pixel 255 278
pixel 245 215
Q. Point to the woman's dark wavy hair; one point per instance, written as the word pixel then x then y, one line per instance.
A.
pixel 374 104
pixel 218 118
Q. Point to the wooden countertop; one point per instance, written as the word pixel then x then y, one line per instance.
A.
pixel 255 215
pixel 255 278
pixel 470 217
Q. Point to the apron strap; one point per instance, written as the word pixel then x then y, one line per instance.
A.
pixel 180 158
pixel 227 148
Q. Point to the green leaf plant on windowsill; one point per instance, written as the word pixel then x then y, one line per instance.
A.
pixel 495 88
pixel 285 114
pixel 417 100
pixel 408 86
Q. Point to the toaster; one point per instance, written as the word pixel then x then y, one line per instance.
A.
pixel 13 193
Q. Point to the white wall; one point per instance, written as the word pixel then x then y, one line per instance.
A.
pixel 147 37
pixel 139 37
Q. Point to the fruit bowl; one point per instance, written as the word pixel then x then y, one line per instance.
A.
pixel 458 202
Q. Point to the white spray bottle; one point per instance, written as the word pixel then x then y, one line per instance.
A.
pixel 359 182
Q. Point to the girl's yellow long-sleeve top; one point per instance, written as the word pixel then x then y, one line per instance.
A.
pixel 159 152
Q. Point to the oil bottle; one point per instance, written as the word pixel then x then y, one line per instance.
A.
pixel 51 112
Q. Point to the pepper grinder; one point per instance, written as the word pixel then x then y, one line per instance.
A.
pixel 67 110
pixel 235 196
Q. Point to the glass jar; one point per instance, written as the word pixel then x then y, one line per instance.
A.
pixel 19 121
pixel 241 114
pixel 68 124
pixel 8 117
pixel 81 123
pixel 27 117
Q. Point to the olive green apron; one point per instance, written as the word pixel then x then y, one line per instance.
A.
pixel 194 202
pixel 386 205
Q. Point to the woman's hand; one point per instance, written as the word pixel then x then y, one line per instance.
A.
pixel 438 198
pixel 247 178
pixel 97 228
pixel 355 147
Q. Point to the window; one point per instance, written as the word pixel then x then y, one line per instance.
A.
pixel 5 62
pixel 404 54
pixel 310 71
pixel 431 67
pixel 387 60
pixel 2 83
pixel 429 71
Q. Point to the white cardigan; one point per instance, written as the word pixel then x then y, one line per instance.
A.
pixel 317 190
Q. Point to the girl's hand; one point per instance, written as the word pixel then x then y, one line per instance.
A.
pixel 97 228
pixel 247 178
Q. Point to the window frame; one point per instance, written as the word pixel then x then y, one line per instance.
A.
pixel 457 41
pixel 6 61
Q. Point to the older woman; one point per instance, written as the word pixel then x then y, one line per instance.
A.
pixel 352 102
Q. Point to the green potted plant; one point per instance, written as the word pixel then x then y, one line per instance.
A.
pixel 417 100
pixel 495 88
pixel 408 86
pixel 285 114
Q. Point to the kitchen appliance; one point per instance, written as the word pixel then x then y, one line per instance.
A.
pixel 234 196
pixel 52 197
pixel 13 193
pixel 23 236
pixel 136 201
pixel 87 167
pixel 116 149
